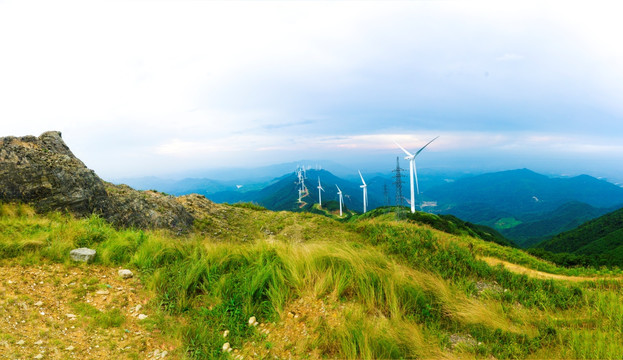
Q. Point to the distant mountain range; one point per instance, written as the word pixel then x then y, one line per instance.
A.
pixel 522 205
pixel 525 206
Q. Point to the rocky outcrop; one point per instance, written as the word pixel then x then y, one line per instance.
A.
pixel 145 209
pixel 42 171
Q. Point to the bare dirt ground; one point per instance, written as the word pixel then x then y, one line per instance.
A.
pixel 543 275
pixel 293 335
pixel 57 311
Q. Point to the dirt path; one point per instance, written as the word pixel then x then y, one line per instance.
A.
pixel 55 311
pixel 542 275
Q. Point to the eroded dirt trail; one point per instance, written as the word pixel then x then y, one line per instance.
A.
pixel 540 274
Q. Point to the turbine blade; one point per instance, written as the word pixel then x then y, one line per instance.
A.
pixel 403 149
pixel 361 176
pixel 338 188
pixel 417 186
pixel 423 147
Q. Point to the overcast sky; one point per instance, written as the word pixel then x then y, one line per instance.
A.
pixel 158 87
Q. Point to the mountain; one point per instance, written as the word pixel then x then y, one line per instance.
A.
pixel 523 205
pixel 185 186
pixel 245 282
pixel 598 241
pixel 282 192
pixel 535 228
pixel 524 191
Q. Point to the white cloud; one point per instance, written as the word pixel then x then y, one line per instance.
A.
pixel 509 57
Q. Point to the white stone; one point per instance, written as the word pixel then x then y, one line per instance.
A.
pixel 20 342
pixel 39 303
pixel 226 347
pixel 70 348
pixel 82 254
pixel 125 273
pixel 225 333
pixel 142 316
pixel 252 320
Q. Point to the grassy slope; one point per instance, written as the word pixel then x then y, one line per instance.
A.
pixel 404 289
pixel 596 242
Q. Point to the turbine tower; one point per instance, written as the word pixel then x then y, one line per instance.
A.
pixel 320 189
pixel 341 200
pixel 413 171
pixel 365 192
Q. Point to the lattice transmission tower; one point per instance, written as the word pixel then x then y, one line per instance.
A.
pixel 398 182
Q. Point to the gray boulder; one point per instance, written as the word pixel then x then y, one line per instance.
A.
pixel 42 171
pixel 82 254
pixel 125 273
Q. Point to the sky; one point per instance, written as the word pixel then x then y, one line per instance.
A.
pixel 141 88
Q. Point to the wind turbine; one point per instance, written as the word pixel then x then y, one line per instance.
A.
pixel 413 171
pixel 365 192
pixel 320 189
pixel 341 200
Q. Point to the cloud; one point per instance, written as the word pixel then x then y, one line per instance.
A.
pixel 509 57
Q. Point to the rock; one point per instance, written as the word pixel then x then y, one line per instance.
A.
pixel 252 321
pixel 42 171
pixel 39 303
pixel 20 342
pixel 225 333
pixel 125 273
pixel 142 316
pixel 70 348
pixel 82 254
pixel 226 347
pixel 467 340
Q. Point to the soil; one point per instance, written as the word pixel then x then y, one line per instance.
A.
pixel 292 336
pixel 43 316
pixel 543 275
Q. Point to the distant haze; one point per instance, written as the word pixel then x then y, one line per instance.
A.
pixel 173 87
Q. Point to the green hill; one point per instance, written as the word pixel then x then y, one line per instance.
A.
pixel 535 228
pixel 596 242
pixel 367 288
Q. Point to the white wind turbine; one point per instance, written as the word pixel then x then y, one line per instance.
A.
pixel 413 170
pixel 341 200
pixel 365 192
pixel 320 189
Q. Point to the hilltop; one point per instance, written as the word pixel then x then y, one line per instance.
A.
pixel 282 284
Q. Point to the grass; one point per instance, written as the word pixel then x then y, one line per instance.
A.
pixel 405 287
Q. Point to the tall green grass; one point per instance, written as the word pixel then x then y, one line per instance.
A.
pixel 405 288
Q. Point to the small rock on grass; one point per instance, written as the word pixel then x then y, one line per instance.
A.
pixel 125 273
pixel 82 254
pixel 142 316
